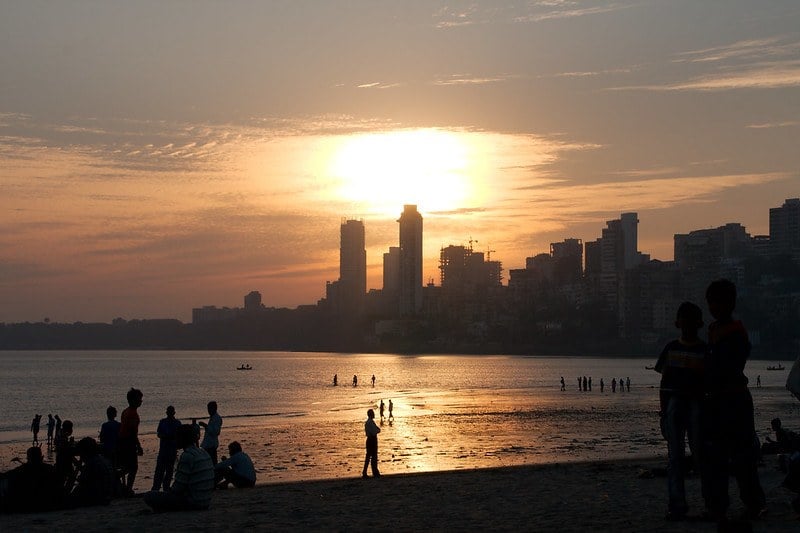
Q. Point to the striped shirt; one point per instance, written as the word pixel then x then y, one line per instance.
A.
pixel 194 477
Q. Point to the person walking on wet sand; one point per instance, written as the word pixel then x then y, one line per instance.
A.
pixel 585 384
pixel 373 380
pixel 563 385
pixel 628 383
pixel 602 385
pixel 391 406
pixel 35 424
pixel 355 380
pixel 613 384
pixel 381 408
pixel 371 458
pixel 51 426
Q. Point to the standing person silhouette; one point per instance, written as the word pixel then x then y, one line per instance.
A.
pixel 51 426
pixel 682 366
pixel 213 427
pixel 381 408
pixel 391 406
pixel 128 447
pixel 355 380
pixel 58 427
pixel 728 410
pixel 109 435
pixel 373 380
pixel 371 429
pixel 563 385
pixel 167 450
pixel 602 385
pixel 35 424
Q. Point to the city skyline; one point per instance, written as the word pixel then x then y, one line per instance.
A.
pixel 158 157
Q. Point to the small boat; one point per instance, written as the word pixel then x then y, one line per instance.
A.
pixel 776 367
pixel 245 367
pixel 649 367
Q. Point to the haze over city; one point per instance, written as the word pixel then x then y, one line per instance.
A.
pixel 159 156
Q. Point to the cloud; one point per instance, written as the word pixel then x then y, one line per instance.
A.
pixel 751 49
pixel 462 79
pixel 768 63
pixel 523 13
pixel 644 194
pixel 783 124
pixel 378 85
pixel 766 76
pixel 565 10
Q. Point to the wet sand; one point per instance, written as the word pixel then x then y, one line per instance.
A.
pixel 599 496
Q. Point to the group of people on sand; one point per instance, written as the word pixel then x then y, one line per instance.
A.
pixel 704 395
pixel 585 384
pixel 90 473
pixel 53 428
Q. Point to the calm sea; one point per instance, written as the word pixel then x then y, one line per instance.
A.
pixel 79 385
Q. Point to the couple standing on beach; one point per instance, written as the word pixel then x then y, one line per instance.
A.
pixel 704 393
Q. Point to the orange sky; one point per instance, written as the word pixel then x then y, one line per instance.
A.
pixel 154 159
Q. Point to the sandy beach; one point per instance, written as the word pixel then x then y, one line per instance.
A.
pixel 597 496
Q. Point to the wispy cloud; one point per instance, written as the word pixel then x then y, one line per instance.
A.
pixel 378 85
pixel 765 76
pixel 522 13
pixel 768 63
pixel 551 10
pixel 768 125
pixel 465 79
pixel 751 49
pixel 643 194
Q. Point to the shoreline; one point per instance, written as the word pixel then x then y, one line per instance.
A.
pixel 592 495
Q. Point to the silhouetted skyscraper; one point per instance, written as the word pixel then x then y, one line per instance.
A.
pixel 391 270
pixel 630 240
pixel 353 258
pixel 252 301
pixel 784 227
pixel 410 260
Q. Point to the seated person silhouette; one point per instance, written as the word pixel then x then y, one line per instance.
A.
pixel 32 487
pixel 194 478
pixel 97 480
pixel 238 470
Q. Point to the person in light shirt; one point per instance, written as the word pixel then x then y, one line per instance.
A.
pixel 211 436
pixel 372 430
pixel 237 470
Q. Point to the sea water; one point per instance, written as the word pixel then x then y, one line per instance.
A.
pixel 450 411
pixel 79 385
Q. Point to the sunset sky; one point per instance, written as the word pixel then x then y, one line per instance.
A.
pixel 161 155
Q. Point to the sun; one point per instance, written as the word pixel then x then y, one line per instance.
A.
pixel 426 167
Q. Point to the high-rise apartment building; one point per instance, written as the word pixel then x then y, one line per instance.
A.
pixel 252 301
pixel 353 258
pixel 391 270
pixel 784 227
pixel 410 261
pixel 568 260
